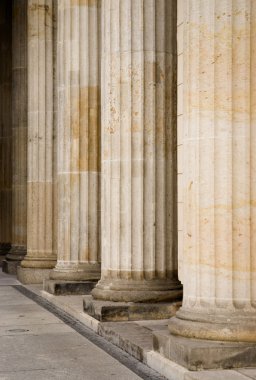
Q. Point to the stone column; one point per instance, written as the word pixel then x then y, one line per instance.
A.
pixel 139 218
pixel 5 126
pixel 19 136
pixel 219 186
pixel 78 142
pixel 40 256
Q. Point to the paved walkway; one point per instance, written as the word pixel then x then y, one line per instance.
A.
pixel 34 344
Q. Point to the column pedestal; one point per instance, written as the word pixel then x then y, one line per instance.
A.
pixel 13 259
pixel 120 300
pixel 107 311
pixel 72 279
pixel 4 249
pixel 32 275
pixel 198 354
pixel 138 291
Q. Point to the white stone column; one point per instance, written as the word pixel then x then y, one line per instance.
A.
pixel 78 141
pixel 40 256
pixel 219 177
pixel 5 127
pixel 139 218
pixel 19 136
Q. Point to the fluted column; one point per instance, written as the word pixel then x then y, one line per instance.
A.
pixel 5 126
pixel 19 136
pixel 40 256
pixel 139 219
pixel 219 185
pixel 78 167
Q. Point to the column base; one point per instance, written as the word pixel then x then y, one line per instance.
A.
pixel 106 311
pixel 210 339
pixel 32 275
pixel 199 354
pixel 61 287
pixel 80 272
pixel 4 249
pixel 228 325
pixel 13 259
pixel 137 290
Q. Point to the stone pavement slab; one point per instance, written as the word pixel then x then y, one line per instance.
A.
pixel 136 338
pixel 216 375
pixel 8 280
pixel 25 315
pixel 35 344
pixel 249 372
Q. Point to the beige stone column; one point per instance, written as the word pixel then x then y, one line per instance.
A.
pixel 139 219
pixel 40 256
pixel 5 126
pixel 219 186
pixel 19 136
pixel 78 141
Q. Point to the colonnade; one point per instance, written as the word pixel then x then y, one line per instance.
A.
pixel 102 161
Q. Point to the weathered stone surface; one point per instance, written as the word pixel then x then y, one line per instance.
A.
pixel 32 275
pixel 217 375
pixel 68 287
pixel 128 311
pixel 130 337
pixel 198 354
pixel 10 266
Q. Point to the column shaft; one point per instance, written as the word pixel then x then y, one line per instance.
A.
pixel 40 256
pixel 78 168
pixel 19 136
pixel 139 218
pixel 5 126
pixel 219 262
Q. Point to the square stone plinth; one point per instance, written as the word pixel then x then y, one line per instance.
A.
pixel 60 287
pixel 10 267
pixel 29 276
pixel 196 354
pixel 121 311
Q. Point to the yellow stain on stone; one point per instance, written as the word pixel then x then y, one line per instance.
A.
pixel 84 3
pixel 89 105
